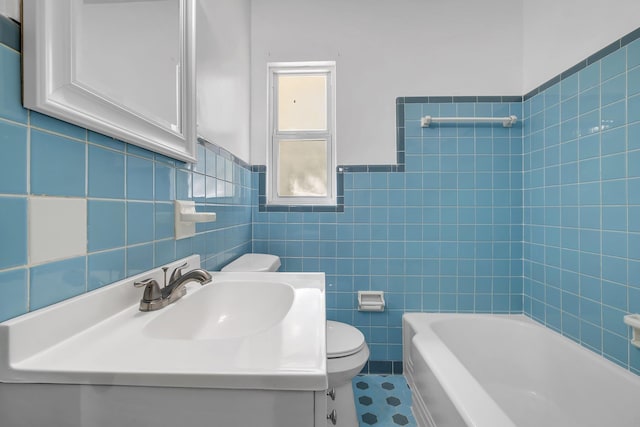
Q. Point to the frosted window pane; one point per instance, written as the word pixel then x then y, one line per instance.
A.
pixel 302 102
pixel 302 168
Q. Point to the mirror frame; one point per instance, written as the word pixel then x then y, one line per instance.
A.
pixel 50 86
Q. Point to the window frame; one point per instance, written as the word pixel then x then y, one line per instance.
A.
pixel 275 69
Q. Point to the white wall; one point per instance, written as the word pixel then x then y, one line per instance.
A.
pixel 560 33
pixel 10 8
pixel 384 49
pixel 223 63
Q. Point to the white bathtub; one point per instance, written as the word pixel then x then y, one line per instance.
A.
pixel 505 371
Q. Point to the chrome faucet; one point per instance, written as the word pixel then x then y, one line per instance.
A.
pixel 175 289
pixel 155 298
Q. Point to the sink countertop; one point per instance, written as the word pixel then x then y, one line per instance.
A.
pixel 98 338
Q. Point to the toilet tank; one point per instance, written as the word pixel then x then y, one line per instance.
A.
pixel 253 262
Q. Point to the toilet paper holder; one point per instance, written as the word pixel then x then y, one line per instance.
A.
pixel 371 301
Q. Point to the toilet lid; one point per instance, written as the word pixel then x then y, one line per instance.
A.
pixel 342 339
pixel 254 262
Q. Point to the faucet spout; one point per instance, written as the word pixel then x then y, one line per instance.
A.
pixel 175 289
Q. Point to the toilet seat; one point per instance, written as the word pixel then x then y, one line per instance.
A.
pixel 343 340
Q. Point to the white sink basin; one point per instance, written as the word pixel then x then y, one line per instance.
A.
pixel 222 310
pixel 260 331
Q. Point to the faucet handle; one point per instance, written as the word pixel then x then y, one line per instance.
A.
pixel 177 273
pixel 151 290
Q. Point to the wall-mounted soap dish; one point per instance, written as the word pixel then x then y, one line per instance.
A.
pixel 186 218
pixel 633 320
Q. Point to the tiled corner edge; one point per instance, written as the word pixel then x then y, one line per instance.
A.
pixel 224 153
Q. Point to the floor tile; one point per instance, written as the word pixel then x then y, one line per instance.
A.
pixel 383 401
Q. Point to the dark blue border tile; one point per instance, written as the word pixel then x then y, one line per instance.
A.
pixel 399 113
pixel 465 99
pixel 381 168
pixel 531 94
pixel 277 208
pixel 632 36
pixel 261 170
pixel 489 99
pixel 10 33
pixel 441 99
pixel 604 52
pixel 340 185
pixel 353 168
pixel 549 83
pixel 512 99
pixel 385 367
pixel 415 99
pixel 400 139
pixel 450 99
pixel 380 367
pixel 262 183
pixel 571 71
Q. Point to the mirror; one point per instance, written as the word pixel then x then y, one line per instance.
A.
pixel 125 68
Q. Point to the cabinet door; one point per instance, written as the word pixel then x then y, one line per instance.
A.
pixel 125 68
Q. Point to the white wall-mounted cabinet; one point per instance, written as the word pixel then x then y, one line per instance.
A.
pixel 124 68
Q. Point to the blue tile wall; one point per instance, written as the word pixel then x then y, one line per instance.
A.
pixel 57 165
pixel 56 281
pixel 444 235
pixel 13 143
pixel 542 218
pixel 129 192
pixel 13 229
pixel 14 286
pixel 581 204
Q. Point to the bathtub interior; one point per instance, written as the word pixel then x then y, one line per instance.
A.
pixel 536 376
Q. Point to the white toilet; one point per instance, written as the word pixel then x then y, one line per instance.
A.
pixel 347 351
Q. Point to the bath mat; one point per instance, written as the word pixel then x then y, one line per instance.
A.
pixel 383 401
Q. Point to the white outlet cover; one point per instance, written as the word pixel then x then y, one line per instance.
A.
pixel 57 228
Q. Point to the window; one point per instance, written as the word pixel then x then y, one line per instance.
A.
pixel 301 153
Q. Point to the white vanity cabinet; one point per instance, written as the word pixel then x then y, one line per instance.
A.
pixel 123 68
pixel 117 406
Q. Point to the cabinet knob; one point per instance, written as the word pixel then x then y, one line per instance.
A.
pixel 332 394
pixel 333 417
